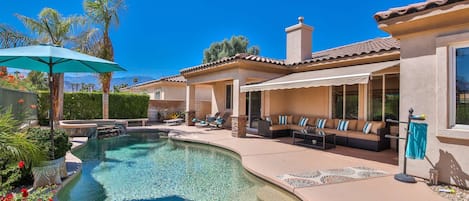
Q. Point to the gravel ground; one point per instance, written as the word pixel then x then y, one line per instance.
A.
pixel 459 194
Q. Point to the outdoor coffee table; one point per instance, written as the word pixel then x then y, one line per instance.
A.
pixel 315 138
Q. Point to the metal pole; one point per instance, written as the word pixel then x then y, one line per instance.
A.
pixel 411 111
pixel 51 110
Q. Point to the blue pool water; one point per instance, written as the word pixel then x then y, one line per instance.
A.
pixel 143 167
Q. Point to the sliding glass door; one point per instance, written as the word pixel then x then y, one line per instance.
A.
pixel 253 108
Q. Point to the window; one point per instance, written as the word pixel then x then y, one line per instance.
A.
pixel 338 102
pixel 461 92
pixel 157 95
pixel 375 98
pixel 383 90
pixel 351 102
pixel 229 96
pixel 345 106
pixel 391 96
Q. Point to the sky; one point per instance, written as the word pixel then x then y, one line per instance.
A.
pixel 159 38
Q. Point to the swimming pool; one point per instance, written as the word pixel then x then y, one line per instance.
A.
pixel 143 167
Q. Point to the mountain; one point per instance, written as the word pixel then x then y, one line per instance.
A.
pixel 93 79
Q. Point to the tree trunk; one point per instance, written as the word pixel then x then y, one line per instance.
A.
pixel 105 105
pixel 58 96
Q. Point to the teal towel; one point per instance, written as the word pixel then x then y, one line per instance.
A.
pixel 417 142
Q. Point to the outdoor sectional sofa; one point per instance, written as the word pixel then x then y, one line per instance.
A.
pixel 353 137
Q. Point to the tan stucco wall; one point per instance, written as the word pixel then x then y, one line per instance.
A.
pixel 173 93
pixel 424 87
pixel 307 101
pixel 311 101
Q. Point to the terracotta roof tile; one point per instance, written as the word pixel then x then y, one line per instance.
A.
pixel 173 78
pixel 241 56
pixel 355 49
pixel 412 8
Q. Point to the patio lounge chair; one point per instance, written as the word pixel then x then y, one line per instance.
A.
pixel 207 121
pixel 218 123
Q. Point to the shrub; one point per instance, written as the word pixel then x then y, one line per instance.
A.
pixel 17 153
pixel 84 105
pixel 42 137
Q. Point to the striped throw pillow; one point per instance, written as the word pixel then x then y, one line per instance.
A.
pixel 282 119
pixel 367 127
pixel 343 125
pixel 321 123
pixel 303 121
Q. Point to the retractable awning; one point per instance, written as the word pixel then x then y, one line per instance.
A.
pixel 359 74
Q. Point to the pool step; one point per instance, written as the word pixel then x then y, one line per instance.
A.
pixel 267 193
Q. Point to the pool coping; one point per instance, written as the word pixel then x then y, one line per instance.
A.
pixel 77 143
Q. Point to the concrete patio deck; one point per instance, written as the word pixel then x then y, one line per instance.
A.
pixel 269 158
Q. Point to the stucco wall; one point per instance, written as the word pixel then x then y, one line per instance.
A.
pixel 173 93
pixel 423 86
pixel 308 101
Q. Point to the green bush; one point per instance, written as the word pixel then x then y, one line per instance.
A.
pixel 42 137
pixel 84 105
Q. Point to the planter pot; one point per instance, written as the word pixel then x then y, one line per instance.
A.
pixel 60 162
pixel 47 174
pixel 50 172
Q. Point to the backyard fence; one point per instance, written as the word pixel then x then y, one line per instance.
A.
pixel 23 104
pixel 84 105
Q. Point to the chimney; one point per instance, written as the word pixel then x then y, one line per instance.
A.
pixel 299 42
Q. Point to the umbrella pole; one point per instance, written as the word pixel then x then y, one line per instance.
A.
pixel 51 111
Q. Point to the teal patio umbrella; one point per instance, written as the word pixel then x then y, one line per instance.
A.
pixel 54 59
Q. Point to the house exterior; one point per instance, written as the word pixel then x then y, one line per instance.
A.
pixel 167 96
pixel 434 75
pixel 346 82
pixel 424 66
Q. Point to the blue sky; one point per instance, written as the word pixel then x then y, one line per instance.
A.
pixel 158 38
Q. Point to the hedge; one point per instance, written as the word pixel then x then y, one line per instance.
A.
pixel 85 105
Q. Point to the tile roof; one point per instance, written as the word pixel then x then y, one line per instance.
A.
pixel 412 8
pixel 355 49
pixel 241 56
pixel 173 78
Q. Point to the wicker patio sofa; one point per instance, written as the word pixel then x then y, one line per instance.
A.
pixel 353 137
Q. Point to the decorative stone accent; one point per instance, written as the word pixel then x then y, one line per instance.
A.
pixel 238 126
pixel 189 116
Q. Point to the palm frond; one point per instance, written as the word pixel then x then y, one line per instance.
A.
pixel 9 37
pixel 32 24
pixel 17 146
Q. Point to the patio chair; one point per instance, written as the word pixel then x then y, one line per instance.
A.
pixel 218 123
pixel 207 121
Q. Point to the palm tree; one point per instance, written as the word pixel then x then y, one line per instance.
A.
pixel 9 37
pixel 105 14
pixel 38 80
pixel 52 27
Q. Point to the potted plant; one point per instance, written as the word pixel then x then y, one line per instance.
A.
pixel 17 152
pixel 61 146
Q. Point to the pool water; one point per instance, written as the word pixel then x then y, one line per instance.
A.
pixel 143 167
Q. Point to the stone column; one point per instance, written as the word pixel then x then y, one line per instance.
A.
pixel 238 126
pixel 238 119
pixel 190 104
